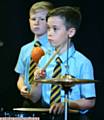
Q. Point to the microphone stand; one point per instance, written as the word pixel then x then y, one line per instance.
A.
pixel 66 113
pixel 66 89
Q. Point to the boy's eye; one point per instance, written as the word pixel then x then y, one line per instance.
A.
pixel 52 28
pixel 55 28
pixel 33 19
pixel 42 19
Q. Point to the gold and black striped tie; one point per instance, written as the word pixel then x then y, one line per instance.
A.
pixel 56 89
pixel 33 64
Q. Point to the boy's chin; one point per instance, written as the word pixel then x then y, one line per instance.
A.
pixel 52 44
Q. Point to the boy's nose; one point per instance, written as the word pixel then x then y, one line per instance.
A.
pixel 50 32
pixel 37 21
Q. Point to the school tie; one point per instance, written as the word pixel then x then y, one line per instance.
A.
pixel 33 65
pixel 56 89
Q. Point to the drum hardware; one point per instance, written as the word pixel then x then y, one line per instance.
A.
pixel 39 110
pixel 66 82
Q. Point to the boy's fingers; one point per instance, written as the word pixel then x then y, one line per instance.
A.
pixel 51 109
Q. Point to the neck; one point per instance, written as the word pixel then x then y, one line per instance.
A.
pixel 37 37
pixel 64 47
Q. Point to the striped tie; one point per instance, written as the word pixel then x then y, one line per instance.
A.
pixel 56 89
pixel 33 64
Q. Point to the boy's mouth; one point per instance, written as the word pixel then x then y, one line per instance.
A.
pixel 36 27
pixel 50 40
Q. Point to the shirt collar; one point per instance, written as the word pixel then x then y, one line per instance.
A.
pixel 43 39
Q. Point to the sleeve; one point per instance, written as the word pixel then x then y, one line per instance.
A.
pixel 20 63
pixel 87 90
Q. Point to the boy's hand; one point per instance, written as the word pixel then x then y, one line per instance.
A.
pixel 24 92
pixel 57 108
pixel 39 73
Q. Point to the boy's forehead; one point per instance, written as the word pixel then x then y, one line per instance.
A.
pixel 56 19
pixel 39 11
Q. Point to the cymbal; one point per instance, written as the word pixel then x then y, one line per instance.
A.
pixel 39 110
pixel 66 80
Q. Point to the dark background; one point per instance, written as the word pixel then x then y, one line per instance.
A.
pixel 15 32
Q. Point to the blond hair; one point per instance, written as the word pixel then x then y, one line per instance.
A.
pixel 44 5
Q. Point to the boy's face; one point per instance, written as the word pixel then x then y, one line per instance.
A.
pixel 57 32
pixel 38 22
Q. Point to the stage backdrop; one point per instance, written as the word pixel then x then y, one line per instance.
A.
pixel 15 32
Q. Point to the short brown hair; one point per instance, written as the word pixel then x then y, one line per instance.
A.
pixel 70 15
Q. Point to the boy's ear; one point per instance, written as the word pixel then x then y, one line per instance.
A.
pixel 71 32
pixel 29 20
